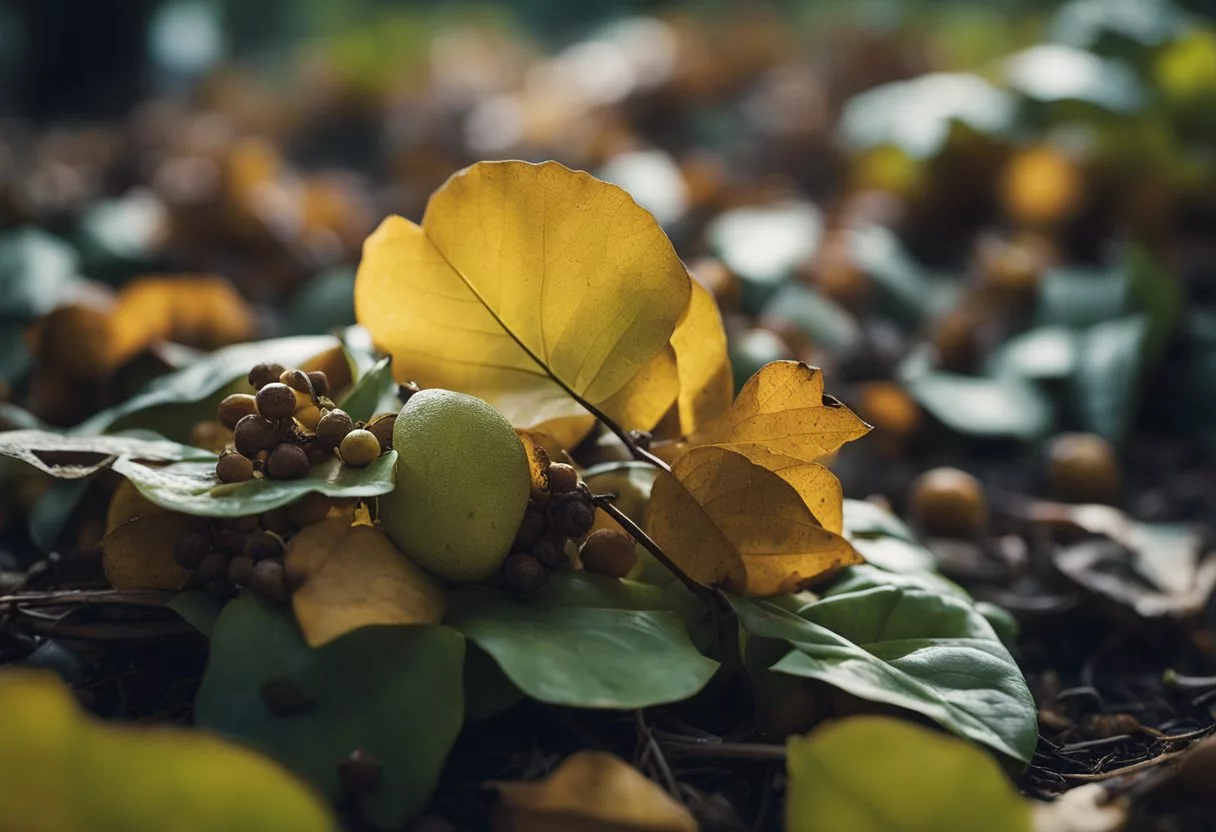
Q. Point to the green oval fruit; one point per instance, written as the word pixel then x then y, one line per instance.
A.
pixel 462 485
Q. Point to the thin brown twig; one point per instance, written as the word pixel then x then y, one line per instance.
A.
pixel 1132 769
pixel 134 597
pixel 728 750
pixel 656 752
pixel 704 593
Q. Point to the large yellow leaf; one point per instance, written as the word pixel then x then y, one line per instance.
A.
pixel 524 282
pixel 138 554
pixel 64 772
pixel 355 577
pixel 591 790
pixel 782 410
pixel 702 363
pixel 727 521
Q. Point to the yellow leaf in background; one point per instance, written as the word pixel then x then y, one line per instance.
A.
pixel 355 577
pixel 138 554
pixel 591 791
pixel 706 384
pixel 65 772
pixel 727 521
pixel 523 279
pixel 782 410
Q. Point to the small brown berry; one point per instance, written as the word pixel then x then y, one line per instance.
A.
pixel 287 462
pixel 1083 468
pixel 572 518
pixel 276 401
pixel 214 567
pixel 254 434
pixel 309 509
pixel 220 589
pixel 297 380
pixel 404 391
pixel 382 428
pixel 530 529
pixel 360 448
pixel 235 408
pixel 228 540
pixel 264 545
pixel 276 520
pixel 947 502
pixel 240 570
pixel 333 426
pixel 523 573
pixel 359 773
pixel 190 549
pixel 264 374
pixel 234 467
pixel 609 552
pixel 320 382
pixel 551 552
pixel 562 478
pixel 268 581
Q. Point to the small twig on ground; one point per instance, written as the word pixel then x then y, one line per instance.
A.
pixel 135 597
pixel 1132 769
pixel 656 753
pixel 728 750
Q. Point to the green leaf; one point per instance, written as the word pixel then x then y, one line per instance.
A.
pixel 881 255
pixel 877 774
pixel 884 540
pixel 587 642
pixel 394 692
pixel 1107 377
pixel 49 516
pixel 70 457
pixel 900 643
pixel 1079 298
pixel 192 488
pixel 818 317
pixel 325 303
pixel 986 407
pixel 375 392
pixel 197 608
pixel 1155 292
pixel 37 273
pixel 1055 72
pixel 487 690
pixel 1045 352
pixel 763 245
pixel 207 377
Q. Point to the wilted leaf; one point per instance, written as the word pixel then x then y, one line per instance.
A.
pixel 64 772
pixel 138 554
pixel 701 363
pixel 591 790
pixel 876 774
pixel 192 487
pixel 523 280
pixel 71 457
pixel 394 692
pixel 355 577
pixel 727 521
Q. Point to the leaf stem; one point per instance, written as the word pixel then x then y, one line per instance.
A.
pixel 639 453
pixel 704 593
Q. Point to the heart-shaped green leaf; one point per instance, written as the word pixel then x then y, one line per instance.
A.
pixel 394 692
pixel 588 642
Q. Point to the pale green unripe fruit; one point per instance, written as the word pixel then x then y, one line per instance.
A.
pixel 462 485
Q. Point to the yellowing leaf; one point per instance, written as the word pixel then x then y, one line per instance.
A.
pixel 523 280
pixel 138 554
pixel 64 772
pixel 706 384
pixel 591 790
pixel 878 774
pixel 782 410
pixel 727 521
pixel 355 577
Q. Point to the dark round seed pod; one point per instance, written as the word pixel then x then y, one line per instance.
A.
pixel 947 502
pixel 360 448
pixel 228 540
pixel 213 568
pixel 523 573
pixel 551 552
pixel 220 589
pixel 287 462
pixel 573 518
pixel 240 570
pixel 254 434
pixel 268 580
pixel 404 391
pixel 264 545
pixel 299 381
pixel 235 408
pixel 1083 468
pixel 382 428
pixel 531 528
pixel 263 374
pixel 609 552
pixel 276 401
pixel 333 426
pixel 234 467
pixel 190 549
pixel 277 521
pixel 309 509
pixel 320 382
pixel 359 773
pixel 562 478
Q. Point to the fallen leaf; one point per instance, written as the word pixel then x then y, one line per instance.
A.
pixel 355 577
pixel 71 457
pixel 138 554
pixel 729 522
pixel 702 363
pixel 1088 808
pixel 1109 571
pixel 877 774
pixel 65 772
pixel 522 282
pixel 591 790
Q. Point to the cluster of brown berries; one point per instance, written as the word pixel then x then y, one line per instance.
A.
pixel 558 516
pixel 290 424
pixel 228 555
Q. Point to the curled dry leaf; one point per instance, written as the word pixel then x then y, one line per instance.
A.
pixel 538 460
pixel 355 577
pixel 138 554
pixel 702 363
pixel 591 790
pixel 729 522
pixel 525 283
pixel 1105 569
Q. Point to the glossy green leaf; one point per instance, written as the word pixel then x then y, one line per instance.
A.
pixel 877 774
pixel 890 639
pixel 587 642
pixel 69 457
pixel 1107 377
pixel 1045 352
pixel 1055 72
pixel 978 406
pixel 374 392
pixel 394 692
pixel 884 540
pixel 192 487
